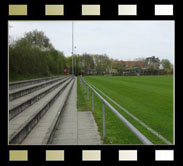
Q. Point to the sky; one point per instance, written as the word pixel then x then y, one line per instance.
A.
pixel 122 40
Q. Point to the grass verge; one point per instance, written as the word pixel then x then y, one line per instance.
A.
pixel 82 103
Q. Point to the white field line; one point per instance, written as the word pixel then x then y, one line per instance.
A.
pixel 135 118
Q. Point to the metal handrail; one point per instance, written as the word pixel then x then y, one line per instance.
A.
pixel 138 134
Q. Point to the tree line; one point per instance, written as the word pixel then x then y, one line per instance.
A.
pixel 89 64
pixel 33 54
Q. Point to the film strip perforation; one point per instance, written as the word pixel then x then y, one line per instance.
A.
pixel 121 155
pixel 123 9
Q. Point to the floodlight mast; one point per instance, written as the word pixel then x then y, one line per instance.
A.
pixel 75 58
pixel 72 48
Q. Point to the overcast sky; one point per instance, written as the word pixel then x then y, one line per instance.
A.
pixel 122 40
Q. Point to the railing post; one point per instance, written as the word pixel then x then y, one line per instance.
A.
pixel 88 93
pixel 82 83
pixel 92 101
pixel 85 86
pixel 104 125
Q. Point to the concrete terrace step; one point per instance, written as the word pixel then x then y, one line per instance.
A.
pixel 20 104
pixel 76 128
pixel 18 92
pixel 43 132
pixel 67 129
pixel 23 123
pixel 19 84
pixel 87 129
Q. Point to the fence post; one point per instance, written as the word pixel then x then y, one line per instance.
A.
pixel 81 83
pixel 88 93
pixel 104 125
pixel 92 101
pixel 85 86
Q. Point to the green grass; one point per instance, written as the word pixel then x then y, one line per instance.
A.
pixel 149 98
pixel 82 102
pixel 15 77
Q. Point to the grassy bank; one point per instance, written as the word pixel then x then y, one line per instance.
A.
pixel 149 98
pixel 82 102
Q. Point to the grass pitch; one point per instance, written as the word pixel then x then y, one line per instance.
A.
pixel 149 98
